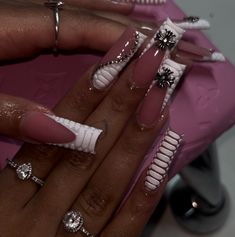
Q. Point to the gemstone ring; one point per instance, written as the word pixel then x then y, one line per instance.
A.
pixel 24 172
pixel 73 222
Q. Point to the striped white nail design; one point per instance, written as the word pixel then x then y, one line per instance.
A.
pixel 215 57
pixel 193 23
pixel 177 71
pixel 86 137
pixel 157 171
pixel 107 72
pixel 147 2
pixel 167 27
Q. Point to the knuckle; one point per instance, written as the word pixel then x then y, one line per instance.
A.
pixel 79 160
pixel 119 103
pixel 94 201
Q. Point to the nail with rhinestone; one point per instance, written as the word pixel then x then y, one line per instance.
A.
pixel 165 154
pixel 159 93
pixel 155 51
pixel 117 58
pixel 193 23
pixel 50 129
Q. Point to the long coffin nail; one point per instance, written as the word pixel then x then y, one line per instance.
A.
pixel 49 129
pixel 162 160
pixel 147 2
pixel 193 23
pixel 159 93
pixel 198 54
pixel 165 39
pixel 117 58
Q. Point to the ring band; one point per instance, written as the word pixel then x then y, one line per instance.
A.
pixel 24 172
pixel 56 6
pixel 73 222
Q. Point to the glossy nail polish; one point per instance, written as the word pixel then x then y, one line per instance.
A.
pixel 193 23
pixel 159 93
pixel 117 58
pixel 162 160
pixel 50 129
pixel 158 47
pixel 147 2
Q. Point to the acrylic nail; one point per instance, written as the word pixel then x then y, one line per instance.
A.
pixel 117 58
pixel 146 2
pixel 50 129
pixel 158 47
pixel 193 23
pixel 158 169
pixel 159 93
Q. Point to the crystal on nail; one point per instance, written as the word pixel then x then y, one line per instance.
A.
pixel 24 171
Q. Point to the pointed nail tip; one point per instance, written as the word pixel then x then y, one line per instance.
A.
pixel 218 57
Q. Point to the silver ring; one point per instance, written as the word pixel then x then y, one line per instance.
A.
pixel 24 172
pixel 73 222
pixel 55 6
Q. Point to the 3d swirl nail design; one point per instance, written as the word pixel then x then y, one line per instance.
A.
pixel 147 2
pixel 193 23
pixel 117 58
pixel 86 137
pixel 162 160
pixel 169 76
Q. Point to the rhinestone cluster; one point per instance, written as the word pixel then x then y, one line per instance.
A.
pixel 164 78
pixel 24 171
pixel 165 39
pixel 73 221
pixel 192 19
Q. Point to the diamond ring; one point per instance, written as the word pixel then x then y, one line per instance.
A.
pixel 73 222
pixel 24 172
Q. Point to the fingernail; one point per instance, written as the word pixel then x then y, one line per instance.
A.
pixel 193 23
pixel 199 54
pixel 120 2
pixel 162 160
pixel 165 39
pixel 147 2
pixel 117 58
pixel 159 93
pixel 49 129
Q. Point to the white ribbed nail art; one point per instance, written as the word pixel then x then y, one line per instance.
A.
pixel 167 26
pixel 147 2
pixel 162 160
pixel 86 137
pixel 193 23
pixel 215 57
pixel 177 72
pixel 107 72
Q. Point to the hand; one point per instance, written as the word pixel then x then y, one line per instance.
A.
pixel 91 184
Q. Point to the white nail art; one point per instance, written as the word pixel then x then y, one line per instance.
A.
pixel 167 26
pixel 177 72
pixel 162 160
pixel 194 23
pixel 86 136
pixel 215 57
pixel 107 72
pixel 147 2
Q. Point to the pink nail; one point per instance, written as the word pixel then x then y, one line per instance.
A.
pixel 41 128
pixel 165 39
pixel 117 58
pixel 159 93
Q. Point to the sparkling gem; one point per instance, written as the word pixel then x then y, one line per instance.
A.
pixel 165 39
pixel 73 221
pixel 24 171
pixel 165 78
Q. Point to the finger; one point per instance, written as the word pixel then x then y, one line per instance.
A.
pixel 137 209
pixel 77 105
pixel 104 5
pixel 78 29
